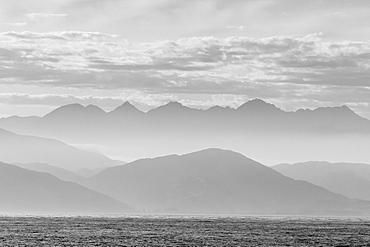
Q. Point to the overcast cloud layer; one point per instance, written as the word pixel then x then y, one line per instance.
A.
pixel 200 53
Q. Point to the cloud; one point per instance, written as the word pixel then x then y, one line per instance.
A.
pixel 62 35
pixel 41 16
pixel 198 64
pixel 172 19
pixel 279 67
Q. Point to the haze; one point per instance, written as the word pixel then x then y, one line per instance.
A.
pixel 183 107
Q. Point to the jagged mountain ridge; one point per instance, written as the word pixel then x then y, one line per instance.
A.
pixel 250 116
pixel 173 128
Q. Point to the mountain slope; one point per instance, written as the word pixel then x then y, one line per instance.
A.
pixel 58 172
pixel 27 149
pixel 215 181
pixel 27 192
pixel 351 180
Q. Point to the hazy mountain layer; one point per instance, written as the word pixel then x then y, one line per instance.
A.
pixel 24 191
pixel 27 149
pixel 351 180
pixel 17 124
pixel 58 172
pixel 90 172
pixel 216 181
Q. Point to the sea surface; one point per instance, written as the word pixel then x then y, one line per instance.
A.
pixel 183 231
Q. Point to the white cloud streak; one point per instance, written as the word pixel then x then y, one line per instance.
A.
pixel 235 27
pixel 41 16
pixel 16 24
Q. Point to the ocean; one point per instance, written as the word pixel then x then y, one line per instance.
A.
pixel 148 230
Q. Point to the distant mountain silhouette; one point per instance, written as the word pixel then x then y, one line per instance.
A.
pixel 216 181
pixel 16 123
pixel 351 180
pixel 173 128
pixel 254 115
pixel 28 192
pixel 58 172
pixel 27 149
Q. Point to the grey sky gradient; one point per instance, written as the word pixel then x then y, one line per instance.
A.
pixel 295 54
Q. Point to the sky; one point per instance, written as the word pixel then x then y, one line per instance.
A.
pixel 292 53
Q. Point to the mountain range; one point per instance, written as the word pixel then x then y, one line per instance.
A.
pixel 173 128
pixel 254 115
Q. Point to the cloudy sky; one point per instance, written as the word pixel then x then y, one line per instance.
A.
pixel 293 53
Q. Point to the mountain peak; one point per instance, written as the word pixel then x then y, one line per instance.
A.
pixel 94 109
pixel 258 105
pixel 212 151
pixel 71 106
pixel 336 110
pixel 75 110
pixel 75 107
pixel 218 108
pixel 174 104
pixel 127 104
pixel 346 108
pixel 126 107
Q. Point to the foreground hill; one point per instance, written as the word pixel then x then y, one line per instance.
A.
pixel 351 180
pixel 27 149
pixel 216 181
pixel 27 192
